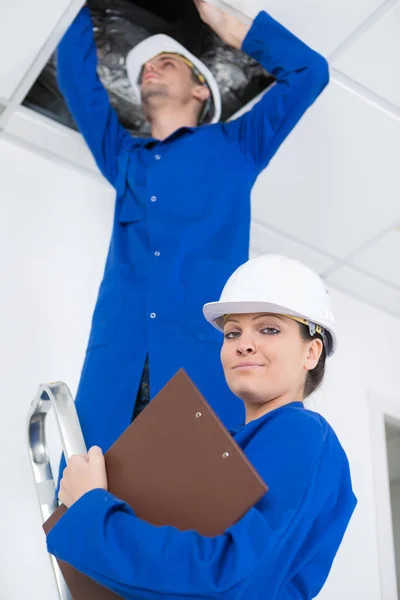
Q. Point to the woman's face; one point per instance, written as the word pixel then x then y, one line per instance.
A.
pixel 265 360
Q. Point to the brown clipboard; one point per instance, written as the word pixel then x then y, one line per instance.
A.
pixel 176 465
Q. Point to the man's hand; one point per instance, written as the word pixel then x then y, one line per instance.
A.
pixel 230 29
pixel 83 474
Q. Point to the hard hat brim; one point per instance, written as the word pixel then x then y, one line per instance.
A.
pixel 215 311
pixel 157 44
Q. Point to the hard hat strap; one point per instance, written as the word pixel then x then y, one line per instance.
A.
pixel 313 328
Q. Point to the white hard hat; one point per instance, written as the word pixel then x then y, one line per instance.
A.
pixel 157 44
pixel 279 285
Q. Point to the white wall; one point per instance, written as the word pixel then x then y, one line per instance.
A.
pixel 367 360
pixel 54 231
pixel 395 500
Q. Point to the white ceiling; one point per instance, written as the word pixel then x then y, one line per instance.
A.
pixel 331 196
pixel 23 31
pixel 370 61
pixel 333 184
pixel 323 25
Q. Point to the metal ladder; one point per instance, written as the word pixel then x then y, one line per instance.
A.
pixel 55 396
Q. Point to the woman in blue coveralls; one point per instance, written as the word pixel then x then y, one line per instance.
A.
pixel 182 213
pixel 278 330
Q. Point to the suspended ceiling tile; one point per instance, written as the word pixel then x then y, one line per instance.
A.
pixel 323 25
pixel 367 289
pixel 374 60
pixel 383 258
pixel 25 27
pixel 37 131
pixel 264 241
pixel 334 184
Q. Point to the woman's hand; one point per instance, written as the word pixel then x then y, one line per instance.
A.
pixel 230 29
pixel 83 474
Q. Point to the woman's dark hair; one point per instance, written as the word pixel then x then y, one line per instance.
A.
pixel 316 376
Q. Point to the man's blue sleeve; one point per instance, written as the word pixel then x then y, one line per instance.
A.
pixel 102 537
pixel 301 74
pixel 86 97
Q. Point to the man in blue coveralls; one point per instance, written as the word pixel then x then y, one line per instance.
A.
pixel 182 215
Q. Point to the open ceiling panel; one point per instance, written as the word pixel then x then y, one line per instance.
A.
pixel 121 24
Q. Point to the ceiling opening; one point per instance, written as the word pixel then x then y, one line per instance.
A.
pixel 118 26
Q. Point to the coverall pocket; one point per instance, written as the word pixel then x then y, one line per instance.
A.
pixel 204 279
pixel 111 302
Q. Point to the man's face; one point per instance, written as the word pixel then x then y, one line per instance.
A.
pixel 167 75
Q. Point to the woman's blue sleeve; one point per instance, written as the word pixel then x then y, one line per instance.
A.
pixel 103 538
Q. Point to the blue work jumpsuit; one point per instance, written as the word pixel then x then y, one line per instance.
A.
pixel 181 227
pixel 282 549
